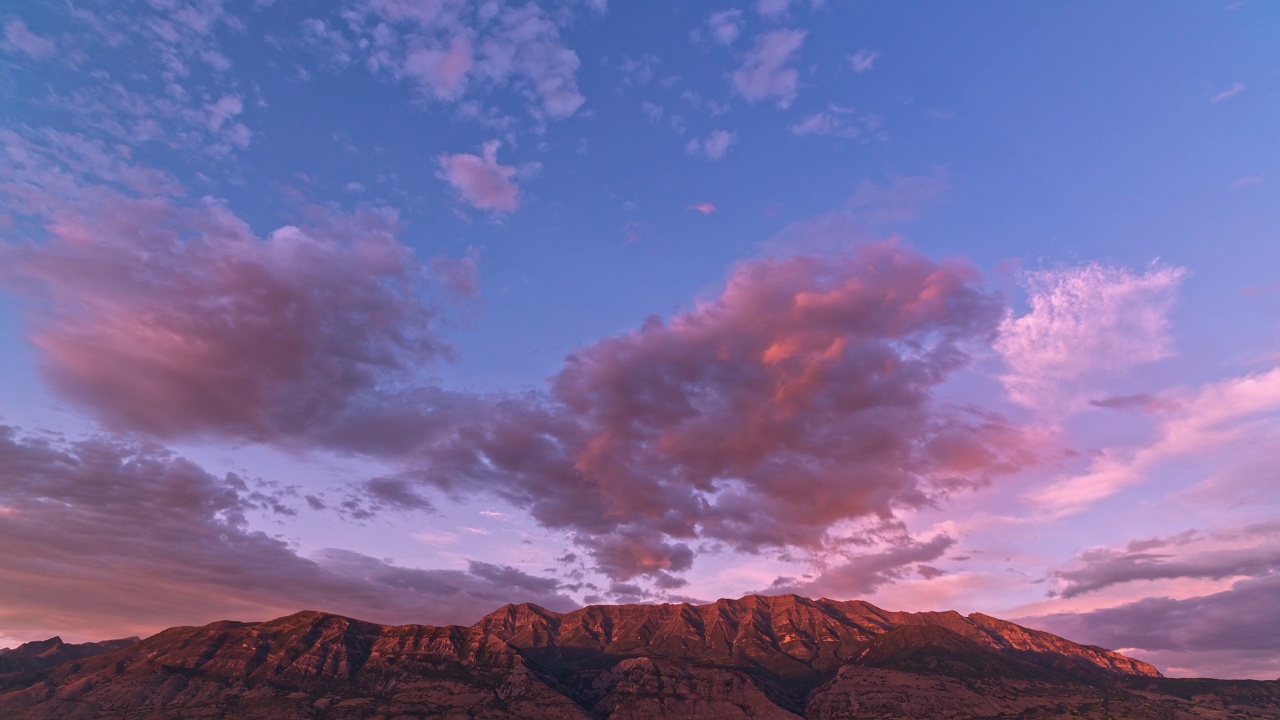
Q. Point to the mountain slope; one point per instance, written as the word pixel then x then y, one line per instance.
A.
pixel 47 653
pixel 773 658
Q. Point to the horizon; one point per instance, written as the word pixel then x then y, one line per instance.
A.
pixel 402 309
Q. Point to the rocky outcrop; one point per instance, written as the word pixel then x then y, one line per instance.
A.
pixel 772 658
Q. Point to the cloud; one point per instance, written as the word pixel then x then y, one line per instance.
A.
pixel 1143 401
pixel 1241 183
pixel 772 8
pixel 480 180
pixel 862 574
pixel 705 208
pixel 834 122
pixel 1085 322
pixel 456 50
pixel 1249 551
pixel 181 551
pixel 176 319
pixel 862 60
pixel 714 146
pixel 17 38
pixel 1228 423
pixel 799 397
pixel 766 72
pixel 1235 89
pixel 725 25
pixel 1191 636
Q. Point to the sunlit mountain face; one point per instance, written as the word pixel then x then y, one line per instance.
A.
pixel 403 310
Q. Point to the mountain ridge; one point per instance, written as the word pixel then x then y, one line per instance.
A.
pixel 757 657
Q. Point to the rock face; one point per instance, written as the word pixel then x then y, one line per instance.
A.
pixel 771 658
pixel 47 653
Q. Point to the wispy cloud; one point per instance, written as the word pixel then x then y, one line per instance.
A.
pixel 1235 89
pixel 862 60
pixel 705 208
pixel 18 38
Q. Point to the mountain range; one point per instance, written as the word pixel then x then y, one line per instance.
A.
pixel 756 657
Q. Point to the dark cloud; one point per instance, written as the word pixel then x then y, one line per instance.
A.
pixel 106 537
pixel 1141 401
pixel 1102 568
pixel 862 574
pixel 1192 634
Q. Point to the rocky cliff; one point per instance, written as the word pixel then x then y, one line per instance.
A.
pixel 757 657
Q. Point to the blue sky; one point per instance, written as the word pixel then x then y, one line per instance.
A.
pixel 384 305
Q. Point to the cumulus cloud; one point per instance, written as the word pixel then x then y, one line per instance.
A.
pixel 176 319
pixel 480 180
pixel 797 398
pixel 767 72
pixel 454 50
pixel 181 551
pixel 714 146
pixel 1086 322
pixel 705 208
pixel 772 8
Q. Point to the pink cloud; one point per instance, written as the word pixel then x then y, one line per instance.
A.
pixel 443 71
pixel 714 146
pixel 480 180
pixel 171 318
pixel 705 208
pixel 798 398
pixel 767 72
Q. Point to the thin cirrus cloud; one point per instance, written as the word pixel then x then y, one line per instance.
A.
pixel 1229 421
pixel 767 72
pixel 714 146
pixel 1085 321
pixel 480 180
pixel 182 551
pixel 19 38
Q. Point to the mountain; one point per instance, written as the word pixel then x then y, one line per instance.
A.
pixel 757 657
pixel 47 653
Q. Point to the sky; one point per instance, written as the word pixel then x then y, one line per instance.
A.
pixel 408 309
